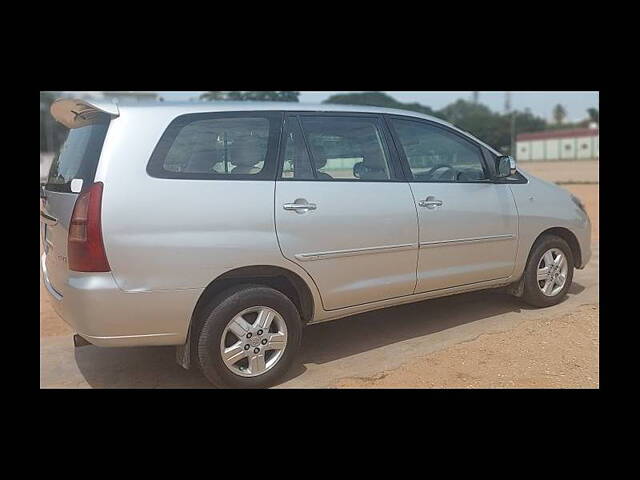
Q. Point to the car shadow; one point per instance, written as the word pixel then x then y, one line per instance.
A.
pixel 155 367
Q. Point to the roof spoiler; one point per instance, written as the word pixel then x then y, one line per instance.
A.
pixel 75 113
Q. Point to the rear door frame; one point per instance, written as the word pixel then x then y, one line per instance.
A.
pixel 398 171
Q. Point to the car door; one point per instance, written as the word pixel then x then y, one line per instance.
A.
pixel 468 224
pixel 343 211
pixel 76 162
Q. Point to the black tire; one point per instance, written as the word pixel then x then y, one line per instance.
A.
pixel 532 293
pixel 215 319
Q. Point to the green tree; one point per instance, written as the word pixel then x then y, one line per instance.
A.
pixel 213 95
pixel 559 114
pixel 594 115
pixel 491 127
pixel 273 96
pixel 376 99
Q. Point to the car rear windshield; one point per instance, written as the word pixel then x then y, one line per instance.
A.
pixel 78 157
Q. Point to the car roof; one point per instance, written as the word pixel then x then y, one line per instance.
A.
pixel 180 108
pixel 223 106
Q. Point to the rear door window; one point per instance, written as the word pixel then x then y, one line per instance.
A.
pixel 78 157
pixel 297 163
pixel 218 146
pixel 346 148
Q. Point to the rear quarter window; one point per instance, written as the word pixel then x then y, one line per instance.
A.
pixel 78 158
pixel 228 146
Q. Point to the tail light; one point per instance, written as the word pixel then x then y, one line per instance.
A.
pixel 85 247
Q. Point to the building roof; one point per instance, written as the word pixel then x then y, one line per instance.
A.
pixel 549 134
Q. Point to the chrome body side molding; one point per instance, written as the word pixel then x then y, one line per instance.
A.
pixel 491 238
pixel 306 257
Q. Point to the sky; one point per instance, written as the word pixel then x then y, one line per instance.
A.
pixel 540 103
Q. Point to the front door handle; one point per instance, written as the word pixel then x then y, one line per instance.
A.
pixel 430 203
pixel 300 206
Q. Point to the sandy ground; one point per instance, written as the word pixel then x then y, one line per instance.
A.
pixel 564 171
pixel 558 349
pixel 560 352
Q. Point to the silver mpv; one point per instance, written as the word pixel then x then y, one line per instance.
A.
pixel 225 228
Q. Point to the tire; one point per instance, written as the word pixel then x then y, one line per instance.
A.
pixel 533 288
pixel 247 302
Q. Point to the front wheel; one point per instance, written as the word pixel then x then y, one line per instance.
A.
pixel 549 272
pixel 250 338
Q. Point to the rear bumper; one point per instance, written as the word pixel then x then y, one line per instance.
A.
pixel 99 311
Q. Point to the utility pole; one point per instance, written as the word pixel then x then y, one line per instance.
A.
pixel 513 135
pixel 507 108
pixel 475 97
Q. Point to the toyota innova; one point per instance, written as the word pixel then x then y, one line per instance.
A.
pixel 225 228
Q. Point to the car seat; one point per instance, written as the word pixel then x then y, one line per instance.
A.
pixel 245 155
pixel 320 160
pixel 374 163
pixel 202 162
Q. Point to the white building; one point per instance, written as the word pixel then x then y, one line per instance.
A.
pixel 574 144
pixel 130 96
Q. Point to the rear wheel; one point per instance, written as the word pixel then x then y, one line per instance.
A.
pixel 249 338
pixel 549 272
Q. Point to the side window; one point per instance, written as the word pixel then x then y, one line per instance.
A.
pixel 297 163
pixel 347 148
pixel 436 155
pixel 222 147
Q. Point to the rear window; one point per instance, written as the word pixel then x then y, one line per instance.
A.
pixel 78 157
pixel 218 146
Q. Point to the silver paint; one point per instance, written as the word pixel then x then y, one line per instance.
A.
pixel 366 245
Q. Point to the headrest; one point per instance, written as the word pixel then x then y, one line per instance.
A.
pixel 246 153
pixel 373 158
pixel 319 156
pixel 202 162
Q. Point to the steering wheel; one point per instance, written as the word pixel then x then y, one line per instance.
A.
pixel 430 173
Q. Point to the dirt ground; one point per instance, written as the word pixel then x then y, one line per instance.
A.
pixel 581 171
pixel 553 351
pixel 558 352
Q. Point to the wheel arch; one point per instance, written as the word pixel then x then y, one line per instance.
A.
pixel 569 237
pixel 285 281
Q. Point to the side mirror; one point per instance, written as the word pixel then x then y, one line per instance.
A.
pixel 505 166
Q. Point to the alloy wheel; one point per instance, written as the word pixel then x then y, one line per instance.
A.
pixel 552 272
pixel 253 341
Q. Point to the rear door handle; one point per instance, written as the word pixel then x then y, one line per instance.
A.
pixel 300 206
pixel 48 219
pixel 430 203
